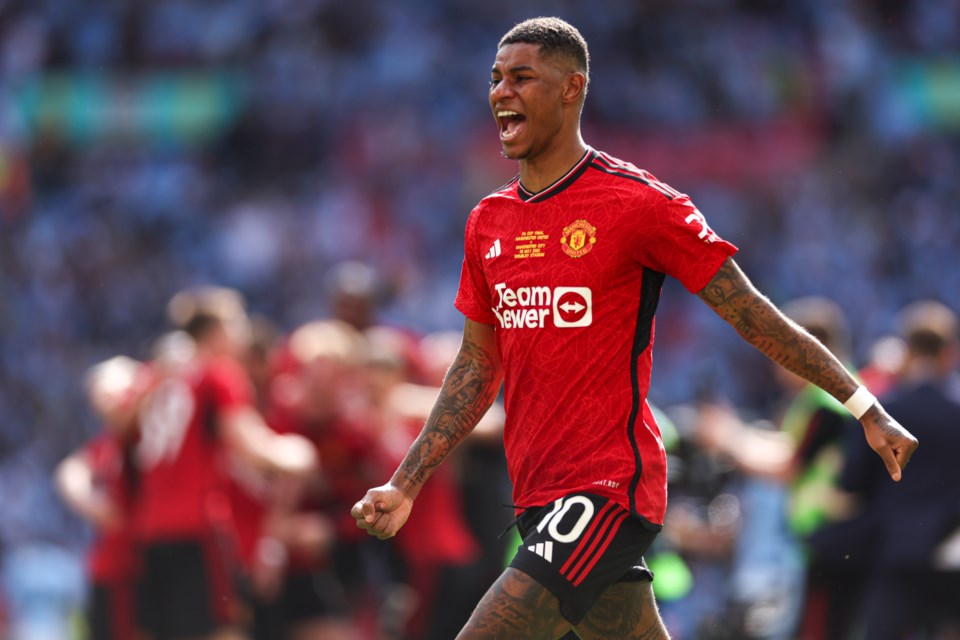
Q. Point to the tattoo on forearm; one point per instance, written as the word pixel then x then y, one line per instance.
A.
pixel 755 318
pixel 468 390
pixel 888 427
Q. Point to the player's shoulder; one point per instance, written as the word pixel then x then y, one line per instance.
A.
pixel 627 175
pixel 221 370
pixel 615 166
pixel 502 195
pixel 506 191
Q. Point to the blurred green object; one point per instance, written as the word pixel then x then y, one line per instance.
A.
pixel 812 492
pixel 673 579
pixel 927 92
pixel 178 108
pixel 512 546
pixel 668 430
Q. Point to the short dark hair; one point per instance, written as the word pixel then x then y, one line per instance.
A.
pixel 197 310
pixel 823 319
pixel 928 327
pixel 555 37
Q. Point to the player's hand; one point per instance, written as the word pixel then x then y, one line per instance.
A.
pixel 104 514
pixel 293 454
pixel 382 511
pixel 891 441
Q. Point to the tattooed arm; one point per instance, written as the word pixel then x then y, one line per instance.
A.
pixel 760 323
pixel 469 389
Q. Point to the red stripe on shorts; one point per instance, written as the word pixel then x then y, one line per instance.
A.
pixel 599 553
pixel 588 542
pixel 586 537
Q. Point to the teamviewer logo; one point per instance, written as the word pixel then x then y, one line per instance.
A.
pixel 572 307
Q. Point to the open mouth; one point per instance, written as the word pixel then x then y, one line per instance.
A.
pixel 511 123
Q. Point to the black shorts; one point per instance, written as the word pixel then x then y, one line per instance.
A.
pixel 110 611
pixel 579 546
pixel 314 595
pixel 187 588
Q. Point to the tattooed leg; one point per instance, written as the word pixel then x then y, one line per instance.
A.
pixel 626 611
pixel 516 607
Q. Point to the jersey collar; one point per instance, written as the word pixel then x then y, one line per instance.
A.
pixel 568 178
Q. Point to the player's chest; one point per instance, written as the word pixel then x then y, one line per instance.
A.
pixel 531 244
pixel 552 270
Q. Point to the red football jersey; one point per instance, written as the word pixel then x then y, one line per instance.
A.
pixel 570 278
pixel 183 478
pixel 112 557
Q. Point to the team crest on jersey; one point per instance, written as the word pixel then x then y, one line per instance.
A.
pixel 578 238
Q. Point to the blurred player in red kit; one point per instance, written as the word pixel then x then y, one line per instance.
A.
pixel 561 276
pixel 317 394
pixel 98 482
pixel 199 408
pixel 444 573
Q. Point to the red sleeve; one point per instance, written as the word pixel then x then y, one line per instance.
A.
pixel 97 453
pixel 228 385
pixel 473 296
pixel 673 237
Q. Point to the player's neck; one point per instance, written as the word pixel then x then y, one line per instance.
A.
pixel 540 172
pixel 213 351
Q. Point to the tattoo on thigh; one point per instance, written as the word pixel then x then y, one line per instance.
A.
pixel 516 606
pixel 624 611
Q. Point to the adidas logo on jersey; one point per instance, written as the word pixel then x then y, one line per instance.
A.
pixel 543 549
pixel 494 250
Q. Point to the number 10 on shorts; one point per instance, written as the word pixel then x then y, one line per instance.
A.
pixel 560 508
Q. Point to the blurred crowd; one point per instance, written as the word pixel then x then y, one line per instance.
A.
pixel 148 147
pixel 788 521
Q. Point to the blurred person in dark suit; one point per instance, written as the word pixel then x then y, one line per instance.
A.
pixel 806 455
pixel 915 585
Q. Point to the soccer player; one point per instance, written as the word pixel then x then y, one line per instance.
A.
pixel 98 483
pixel 561 275
pixel 316 593
pixel 200 407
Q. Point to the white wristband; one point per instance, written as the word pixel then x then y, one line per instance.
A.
pixel 859 402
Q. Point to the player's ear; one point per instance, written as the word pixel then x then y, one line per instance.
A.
pixel 574 87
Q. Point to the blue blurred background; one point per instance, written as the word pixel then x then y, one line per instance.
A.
pixel 151 145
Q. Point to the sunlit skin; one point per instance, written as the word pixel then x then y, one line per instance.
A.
pixel 547 93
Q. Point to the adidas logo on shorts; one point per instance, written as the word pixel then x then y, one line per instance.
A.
pixel 543 549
